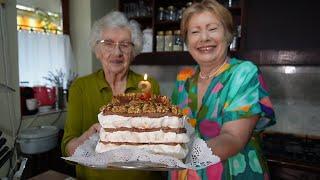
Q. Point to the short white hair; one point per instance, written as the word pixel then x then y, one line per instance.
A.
pixel 116 19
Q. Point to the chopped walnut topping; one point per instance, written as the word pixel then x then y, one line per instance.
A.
pixel 135 103
pixel 102 107
pixel 134 109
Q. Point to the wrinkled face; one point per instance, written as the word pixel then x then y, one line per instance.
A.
pixel 115 49
pixel 206 38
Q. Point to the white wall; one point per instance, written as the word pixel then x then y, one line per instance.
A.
pixel 82 15
pixel 295 95
pixel 99 9
pixel 80 24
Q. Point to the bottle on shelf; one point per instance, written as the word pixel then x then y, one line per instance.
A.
pixel 171 15
pixel 147 40
pixel 178 43
pixel 179 13
pixel 161 14
pixel 160 41
pixel 185 47
pixel 168 41
pixel 234 46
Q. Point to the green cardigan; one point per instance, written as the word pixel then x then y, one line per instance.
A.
pixel 86 95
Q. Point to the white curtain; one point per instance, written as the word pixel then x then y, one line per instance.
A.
pixel 40 53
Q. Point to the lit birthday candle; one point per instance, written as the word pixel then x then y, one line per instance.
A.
pixel 145 85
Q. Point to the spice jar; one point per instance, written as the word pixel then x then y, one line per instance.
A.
pixel 189 4
pixel 177 43
pixel 160 41
pixel 147 39
pixel 161 14
pixel 179 13
pixel 185 47
pixel 168 41
pixel 171 16
pixel 233 45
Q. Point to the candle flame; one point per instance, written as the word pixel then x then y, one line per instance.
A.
pixel 145 77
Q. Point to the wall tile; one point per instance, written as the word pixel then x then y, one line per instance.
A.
pixel 294 91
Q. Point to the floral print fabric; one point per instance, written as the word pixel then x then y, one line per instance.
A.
pixel 238 91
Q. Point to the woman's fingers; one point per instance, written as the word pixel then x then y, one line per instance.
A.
pixel 92 130
pixel 74 143
pixel 96 127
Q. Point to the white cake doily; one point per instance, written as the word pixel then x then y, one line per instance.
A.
pixel 199 156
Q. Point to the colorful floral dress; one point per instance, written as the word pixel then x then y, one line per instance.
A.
pixel 238 91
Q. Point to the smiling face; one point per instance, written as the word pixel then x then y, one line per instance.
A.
pixel 114 60
pixel 206 38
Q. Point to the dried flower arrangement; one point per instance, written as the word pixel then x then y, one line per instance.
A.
pixel 56 78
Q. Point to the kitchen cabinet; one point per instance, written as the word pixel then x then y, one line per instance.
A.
pixel 272 32
pixel 148 14
pixel 281 32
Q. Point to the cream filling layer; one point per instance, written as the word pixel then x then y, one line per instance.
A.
pixel 116 121
pixel 143 137
pixel 176 151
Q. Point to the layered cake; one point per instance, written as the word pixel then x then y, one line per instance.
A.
pixel 135 121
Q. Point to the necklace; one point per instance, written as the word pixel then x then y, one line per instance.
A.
pixel 206 77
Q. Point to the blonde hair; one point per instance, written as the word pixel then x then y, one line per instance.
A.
pixel 214 7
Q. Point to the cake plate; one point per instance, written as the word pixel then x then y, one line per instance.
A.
pixel 140 165
pixel 133 165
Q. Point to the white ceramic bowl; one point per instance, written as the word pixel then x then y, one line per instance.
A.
pixel 43 109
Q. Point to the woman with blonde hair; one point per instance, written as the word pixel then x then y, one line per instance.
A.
pixel 225 97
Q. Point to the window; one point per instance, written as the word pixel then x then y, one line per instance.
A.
pixel 43 48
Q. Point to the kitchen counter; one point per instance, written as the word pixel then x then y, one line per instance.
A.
pixel 292 156
pixel 53 117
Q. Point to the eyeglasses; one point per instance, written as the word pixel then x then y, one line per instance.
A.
pixel 109 46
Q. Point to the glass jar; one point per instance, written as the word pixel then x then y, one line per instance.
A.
pixel 177 43
pixel 185 47
pixel 179 13
pixel 233 45
pixel 161 14
pixel 160 41
pixel 147 40
pixel 168 41
pixel 171 16
pixel 189 4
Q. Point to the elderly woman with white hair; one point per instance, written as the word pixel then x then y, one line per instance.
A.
pixel 115 41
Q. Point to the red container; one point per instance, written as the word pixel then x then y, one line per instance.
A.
pixel 46 96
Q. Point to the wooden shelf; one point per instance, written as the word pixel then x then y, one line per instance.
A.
pixel 163 25
pixel 144 19
pixel 167 23
pixel 167 58
pixel 174 58
pixel 164 59
pixel 259 57
pixel 308 57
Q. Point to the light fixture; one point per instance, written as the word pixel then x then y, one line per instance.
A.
pixel 289 69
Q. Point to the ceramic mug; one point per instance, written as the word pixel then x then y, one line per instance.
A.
pixel 32 104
